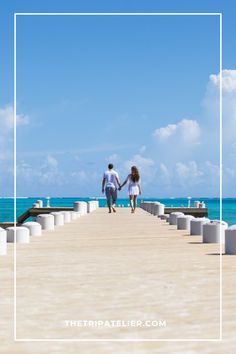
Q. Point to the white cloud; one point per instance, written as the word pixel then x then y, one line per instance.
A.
pixel 212 122
pixel 27 172
pixel 46 173
pixel 186 130
pixel 6 131
pixel 145 165
pixel 167 163
pixel 211 101
pixel 228 81
pixel 165 132
pixel 189 130
pixel 141 162
pixel 7 119
pixel 175 141
pixel 182 170
pixel 188 170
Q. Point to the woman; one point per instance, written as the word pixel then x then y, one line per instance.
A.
pixel 134 187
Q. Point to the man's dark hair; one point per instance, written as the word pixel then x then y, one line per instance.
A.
pixel 110 166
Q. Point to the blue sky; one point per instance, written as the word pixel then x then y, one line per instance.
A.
pixel 127 89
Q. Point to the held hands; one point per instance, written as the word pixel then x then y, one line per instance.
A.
pixel 119 189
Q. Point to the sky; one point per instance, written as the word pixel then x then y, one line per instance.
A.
pixel 131 90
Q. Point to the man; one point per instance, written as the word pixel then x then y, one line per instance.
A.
pixel 109 185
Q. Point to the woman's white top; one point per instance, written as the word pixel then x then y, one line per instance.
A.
pixel 133 187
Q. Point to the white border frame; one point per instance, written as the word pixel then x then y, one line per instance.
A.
pixel 219 14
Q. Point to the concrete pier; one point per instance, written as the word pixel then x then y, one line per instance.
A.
pixel 34 212
pixel 120 266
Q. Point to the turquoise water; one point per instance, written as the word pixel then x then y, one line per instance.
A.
pixel 213 205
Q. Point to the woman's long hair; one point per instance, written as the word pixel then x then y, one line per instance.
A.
pixel 134 174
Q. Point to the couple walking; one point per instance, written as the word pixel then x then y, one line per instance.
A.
pixel 111 181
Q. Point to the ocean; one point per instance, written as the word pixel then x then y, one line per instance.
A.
pixel 213 205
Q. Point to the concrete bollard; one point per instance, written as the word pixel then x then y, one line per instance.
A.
pixel 165 217
pixel 36 205
pixel 3 242
pixel 230 240
pixel 149 207
pixel 173 217
pixel 35 229
pixel 160 209
pixel 196 225
pixel 143 205
pixel 67 216
pixel 80 207
pixel 40 203
pixel 154 207
pixel 91 206
pixel 20 233
pixel 183 222
pixel 58 218
pixel 46 221
pixel 94 205
pixel 196 204
pixel 77 206
pixel 73 215
pixel 212 231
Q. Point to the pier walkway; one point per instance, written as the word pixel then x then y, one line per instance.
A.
pixel 123 266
